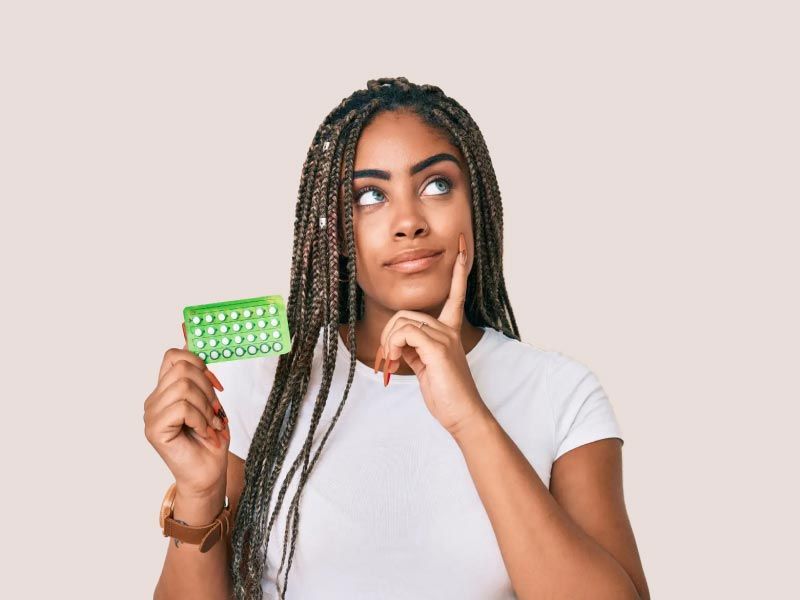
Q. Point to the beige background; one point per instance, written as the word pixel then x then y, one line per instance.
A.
pixel 647 154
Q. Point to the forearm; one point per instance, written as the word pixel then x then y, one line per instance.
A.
pixel 187 572
pixel 547 555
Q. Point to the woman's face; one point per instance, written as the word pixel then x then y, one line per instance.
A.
pixel 401 210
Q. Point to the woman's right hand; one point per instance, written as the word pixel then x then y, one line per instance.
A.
pixel 180 419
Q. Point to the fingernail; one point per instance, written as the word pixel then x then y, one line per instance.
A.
pixel 217 423
pixel 378 358
pixel 462 249
pixel 226 434
pixel 214 381
pixel 386 376
pixel 183 328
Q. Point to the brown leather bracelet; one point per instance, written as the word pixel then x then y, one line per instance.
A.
pixel 204 535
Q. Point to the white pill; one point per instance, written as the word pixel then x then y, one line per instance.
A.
pixel 248 325
pixel 221 316
pixel 239 351
pixel 274 322
pixel 262 323
pixel 238 339
pixel 252 349
pixel 277 346
pixel 214 354
pixel 227 353
pixel 276 334
pixel 202 355
pixel 223 328
pixel 198 331
pixel 211 331
pixel 259 311
pixel 251 337
pixel 196 320
pixel 212 342
pixel 246 313
pixel 234 315
pixel 225 341
pixel 272 310
pixel 265 348
pixel 263 335
pixel 236 327
pixel 209 318
pixel 200 343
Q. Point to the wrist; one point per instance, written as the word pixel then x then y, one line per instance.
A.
pixel 197 510
pixel 478 427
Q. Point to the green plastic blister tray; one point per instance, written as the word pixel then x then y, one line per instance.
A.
pixel 237 329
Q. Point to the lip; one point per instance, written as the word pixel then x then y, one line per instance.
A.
pixel 416 265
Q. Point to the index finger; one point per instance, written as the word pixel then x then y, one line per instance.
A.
pixel 173 355
pixel 453 311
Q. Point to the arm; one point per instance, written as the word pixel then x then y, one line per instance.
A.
pixel 583 550
pixel 188 573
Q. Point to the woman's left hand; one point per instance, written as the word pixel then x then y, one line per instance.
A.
pixel 436 355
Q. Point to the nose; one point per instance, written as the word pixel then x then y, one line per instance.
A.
pixel 409 220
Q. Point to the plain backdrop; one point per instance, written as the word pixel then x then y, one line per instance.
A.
pixel 647 156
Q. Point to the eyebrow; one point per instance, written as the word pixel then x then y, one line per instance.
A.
pixel 423 164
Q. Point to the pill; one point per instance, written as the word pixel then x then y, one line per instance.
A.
pixel 214 354
pixel 274 322
pixel 262 323
pixel 246 313
pixel 198 331
pixel 263 335
pixel 202 355
pixel 234 315
pixel 211 331
pixel 196 320
pixel 227 353
pixel 209 318
pixel 212 342
pixel 238 339
pixel 265 348
pixel 276 334
pixel 252 349
pixel 259 311
pixel 223 328
pixel 225 341
pixel 236 327
pixel 221 316
pixel 277 346
pixel 200 343
pixel 239 351
pixel 248 325
pixel 251 337
pixel 272 310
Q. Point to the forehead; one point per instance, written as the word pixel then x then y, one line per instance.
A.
pixel 394 140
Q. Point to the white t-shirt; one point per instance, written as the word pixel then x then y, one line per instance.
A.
pixel 390 510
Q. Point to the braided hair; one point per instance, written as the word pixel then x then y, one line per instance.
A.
pixel 324 294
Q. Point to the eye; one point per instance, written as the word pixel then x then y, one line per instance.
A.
pixel 442 184
pixel 364 192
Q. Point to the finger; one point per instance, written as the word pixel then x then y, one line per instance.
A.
pixel 173 355
pixel 401 317
pixel 184 369
pixel 453 311
pixel 211 377
pixel 186 389
pixel 424 340
pixel 182 413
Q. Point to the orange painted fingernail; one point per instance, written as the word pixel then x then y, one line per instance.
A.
pixel 378 358
pixel 213 379
pixel 386 376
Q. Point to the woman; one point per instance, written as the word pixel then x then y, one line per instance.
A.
pixel 483 468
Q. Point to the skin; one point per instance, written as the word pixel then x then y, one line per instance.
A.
pixel 571 540
pixel 407 212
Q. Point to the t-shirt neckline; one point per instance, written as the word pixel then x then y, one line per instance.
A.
pixel 366 371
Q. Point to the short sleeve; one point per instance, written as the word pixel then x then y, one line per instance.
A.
pixel 247 385
pixel 582 412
